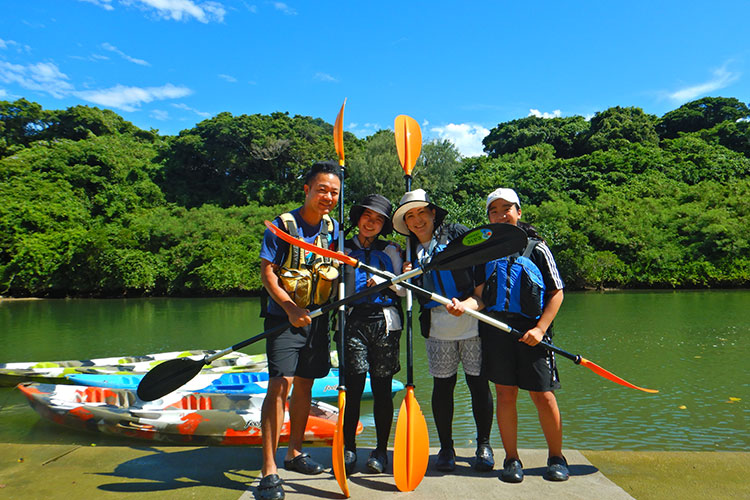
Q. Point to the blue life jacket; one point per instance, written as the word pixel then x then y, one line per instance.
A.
pixel 458 283
pixel 356 279
pixel 514 285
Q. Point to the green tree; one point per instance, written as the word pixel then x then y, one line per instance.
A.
pixel 701 114
pixel 563 134
pixel 616 127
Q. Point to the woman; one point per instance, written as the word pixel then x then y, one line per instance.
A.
pixel 529 304
pixel 449 339
pixel 373 328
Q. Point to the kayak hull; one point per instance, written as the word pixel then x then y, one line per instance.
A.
pixel 182 417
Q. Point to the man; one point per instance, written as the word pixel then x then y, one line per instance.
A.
pixel 297 282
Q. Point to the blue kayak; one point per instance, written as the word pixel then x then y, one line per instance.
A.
pixel 237 383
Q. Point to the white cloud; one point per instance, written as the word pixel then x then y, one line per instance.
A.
pixel 192 110
pixel 179 10
pixel 160 114
pixel 721 78
pixel 3 93
pixel 112 48
pixel 130 98
pixel 535 112
pixel 466 137
pixel 324 77
pixel 228 78
pixel 363 130
pixel 43 77
pixel 281 6
pixel 104 4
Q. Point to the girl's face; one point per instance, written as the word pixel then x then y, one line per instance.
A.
pixel 502 211
pixel 421 222
pixel 370 223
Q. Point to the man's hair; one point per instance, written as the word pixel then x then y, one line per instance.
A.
pixel 322 167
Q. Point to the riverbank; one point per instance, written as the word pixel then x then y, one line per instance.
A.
pixel 122 472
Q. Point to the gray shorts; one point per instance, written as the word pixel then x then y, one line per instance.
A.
pixel 443 356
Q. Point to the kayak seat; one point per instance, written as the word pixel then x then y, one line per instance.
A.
pixel 104 395
pixel 194 402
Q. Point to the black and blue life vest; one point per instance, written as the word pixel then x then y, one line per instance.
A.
pixel 514 285
pixel 356 279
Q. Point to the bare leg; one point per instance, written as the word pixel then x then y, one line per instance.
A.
pixel 507 418
pixel 271 420
pixel 299 410
pixel 550 419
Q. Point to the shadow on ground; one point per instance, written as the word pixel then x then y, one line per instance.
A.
pixel 162 470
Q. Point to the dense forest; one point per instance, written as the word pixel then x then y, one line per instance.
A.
pixel 91 205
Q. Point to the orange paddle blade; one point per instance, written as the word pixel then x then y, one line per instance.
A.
pixel 611 376
pixel 337 448
pixel 338 134
pixel 408 141
pixel 411 451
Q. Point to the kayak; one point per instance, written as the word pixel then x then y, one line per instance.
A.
pixel 229 383
pixel 55 371
pixel 181 417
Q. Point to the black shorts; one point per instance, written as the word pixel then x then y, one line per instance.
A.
pixel 292 354
pixel 506 361
pixel 369 345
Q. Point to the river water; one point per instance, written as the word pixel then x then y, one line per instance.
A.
pixel 692 346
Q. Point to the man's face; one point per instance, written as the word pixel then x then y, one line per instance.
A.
pixel 502 211
pixel 322 194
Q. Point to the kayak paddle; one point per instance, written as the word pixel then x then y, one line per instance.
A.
pixel 411 449
pixel 337 446
pixel 576 358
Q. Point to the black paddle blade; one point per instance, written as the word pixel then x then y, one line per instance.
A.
pixel 480 245
pixel 167 377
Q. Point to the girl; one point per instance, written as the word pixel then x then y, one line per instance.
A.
pixel 528 304
pixel 373 328
pixel 449 339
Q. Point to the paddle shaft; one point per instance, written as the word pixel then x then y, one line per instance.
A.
pixel 342 286
pixel 409 333
pixel 317 312
pixel 475 314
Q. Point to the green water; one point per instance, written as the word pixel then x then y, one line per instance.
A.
pixel 691 346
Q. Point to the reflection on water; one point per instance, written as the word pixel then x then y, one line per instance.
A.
pixel 691 346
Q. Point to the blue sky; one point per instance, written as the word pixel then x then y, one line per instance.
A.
pixel 458 68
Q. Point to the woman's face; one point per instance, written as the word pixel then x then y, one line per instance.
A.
pixel 370 223
pixel 502 211
pixel 421 222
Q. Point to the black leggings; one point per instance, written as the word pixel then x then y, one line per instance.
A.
pixel 382 408
pixel 442 407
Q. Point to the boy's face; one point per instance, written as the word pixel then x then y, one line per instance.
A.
pixel 502 211
pixel 322 194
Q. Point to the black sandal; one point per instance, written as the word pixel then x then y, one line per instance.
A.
pixel 270 488
pixel 303 464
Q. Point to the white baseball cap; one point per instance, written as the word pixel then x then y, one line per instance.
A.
pixel 503 194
